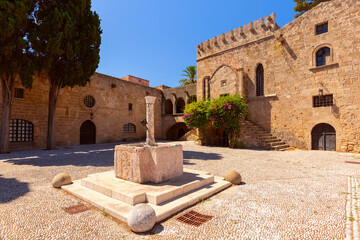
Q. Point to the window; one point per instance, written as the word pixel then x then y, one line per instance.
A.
pixel 19 93
pixel 130 106
pixel 21 131
pixel 323 28
pixel 89 101
pixel 129 128
pixel 322 56
pixel 323 101
pixel 223 83
pixel 224 95
pixel 260 80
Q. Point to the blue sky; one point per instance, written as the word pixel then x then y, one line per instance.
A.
pixel 156 39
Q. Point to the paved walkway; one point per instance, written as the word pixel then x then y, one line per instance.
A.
pixel 285 195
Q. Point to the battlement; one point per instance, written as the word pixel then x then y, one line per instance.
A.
pixel 248 33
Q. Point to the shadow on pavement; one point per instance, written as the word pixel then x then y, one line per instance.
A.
pixel 90 155
pixel 201 155
pixel 11 189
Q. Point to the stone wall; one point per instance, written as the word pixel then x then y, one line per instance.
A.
pixel 109 114
pixel 291 78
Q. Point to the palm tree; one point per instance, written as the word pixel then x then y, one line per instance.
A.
pixel 190 74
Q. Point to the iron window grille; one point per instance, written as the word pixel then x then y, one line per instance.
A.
pixel 323 101
pixel 19 93
pixel 322 28
pixel 129 128
pixel 130 106
pixel 89 101
pixel 21 131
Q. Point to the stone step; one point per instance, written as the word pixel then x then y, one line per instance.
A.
pixel 133 193
pixel 280 147
pixel 284 149
pixel 277 143
pixel 271 140
pixel 120 210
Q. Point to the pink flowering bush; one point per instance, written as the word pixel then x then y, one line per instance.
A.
pixel 226 112
pixel 195 114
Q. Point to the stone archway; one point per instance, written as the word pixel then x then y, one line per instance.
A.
pixel 180 105
pixel 88 133
pixel 323 137
pixel 168 107
pixel 176 131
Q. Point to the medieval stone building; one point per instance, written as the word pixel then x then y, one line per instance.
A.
pixel 301 82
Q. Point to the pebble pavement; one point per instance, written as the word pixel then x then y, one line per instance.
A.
pixel 285 195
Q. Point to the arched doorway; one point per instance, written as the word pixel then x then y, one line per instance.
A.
pixel 168 107
pixel 88 133
pixel 323 137
pixel 176 131
pixel 180 105
pixel 181 133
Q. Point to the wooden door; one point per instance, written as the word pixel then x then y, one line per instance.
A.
pixel 323 137
pixel 88 133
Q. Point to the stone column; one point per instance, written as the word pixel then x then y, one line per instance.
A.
pixel 150 109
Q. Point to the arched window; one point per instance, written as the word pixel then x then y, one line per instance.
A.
pixel 322 56
pixel 21 131
pixel 260 80
pixel 129 128
pixel 168 107
pixel 180 105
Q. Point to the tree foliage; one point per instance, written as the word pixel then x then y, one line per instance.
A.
pixel 66 41
pixel 224 112
pixel 190 74
pixel 303 6
pixel 15 57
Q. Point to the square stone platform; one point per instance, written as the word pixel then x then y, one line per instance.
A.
pixel 117 196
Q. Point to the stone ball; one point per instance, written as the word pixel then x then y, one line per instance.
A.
pixel 141 218
pixel 234 177
pixel 60 180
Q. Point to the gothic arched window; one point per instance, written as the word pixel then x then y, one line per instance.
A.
pixel 260 80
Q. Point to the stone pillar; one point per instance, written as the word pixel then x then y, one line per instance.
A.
pixel 150 109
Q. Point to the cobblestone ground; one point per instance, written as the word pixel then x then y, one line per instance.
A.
pixel 285 195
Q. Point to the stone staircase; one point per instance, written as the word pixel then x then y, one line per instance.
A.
pixel 255 136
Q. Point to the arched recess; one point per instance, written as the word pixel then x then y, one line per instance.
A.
pixel 180 105
pixel 88 133
pixel 260 80
pixel 176 131
pixel 168 107
pixel 224 80
pixel 323 137
pixel 326 58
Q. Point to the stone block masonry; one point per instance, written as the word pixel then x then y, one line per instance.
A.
pixel 291 77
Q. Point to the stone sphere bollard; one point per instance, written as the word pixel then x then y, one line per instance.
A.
pixel 141 218
pixel 60 180
pixel 234 177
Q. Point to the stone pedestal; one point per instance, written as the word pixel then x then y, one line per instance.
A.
pixel 142 163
